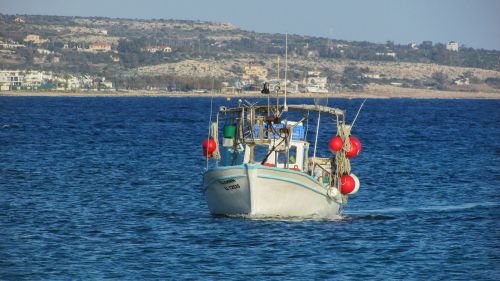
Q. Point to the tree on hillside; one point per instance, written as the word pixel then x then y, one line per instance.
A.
pixel 352 77
pixel 493 82
pixel 440 80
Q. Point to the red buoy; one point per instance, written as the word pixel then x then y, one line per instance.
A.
pixel 335 144
pixel 347 184
pixel 355 147
pixel 209 147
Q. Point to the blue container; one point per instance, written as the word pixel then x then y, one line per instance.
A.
pixel 276 128
pixel 298 133
pixel 256 132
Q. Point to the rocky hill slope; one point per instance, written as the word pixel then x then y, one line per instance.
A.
pixel 125 49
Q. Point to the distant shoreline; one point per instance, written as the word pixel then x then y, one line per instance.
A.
pixel 381 94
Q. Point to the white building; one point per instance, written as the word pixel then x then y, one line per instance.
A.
pixel 315 78
pixel 36 39
pixel 388 54
pixel 107 84
pixel 44 51
pixel 33 79
pixel 99 47
pixel 452 46
pixel 371 75
pixel 462 81
pixel 10 79
pixel 26 79
pixel 412 45
pixel 255 70
pixel 73 83
pixel 19 20
pixel 10 45
pixel 157 48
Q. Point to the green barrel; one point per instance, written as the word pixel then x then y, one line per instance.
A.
pixel 326 179
pixel 229 131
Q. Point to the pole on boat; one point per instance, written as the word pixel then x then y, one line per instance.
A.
pixel 278 92
pixel 317 132
pixel 210 117
pixel 285 108
pixel 268 105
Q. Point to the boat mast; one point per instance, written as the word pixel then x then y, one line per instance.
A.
pixel 285 108
pixel 210 120
pixel 277 91
pixel 317 133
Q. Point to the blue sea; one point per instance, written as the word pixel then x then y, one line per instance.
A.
pixel 110 188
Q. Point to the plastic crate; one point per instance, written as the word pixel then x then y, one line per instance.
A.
pixel 256 131
pixel 298 132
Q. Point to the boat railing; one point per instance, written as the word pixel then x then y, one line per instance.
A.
pixel 320 170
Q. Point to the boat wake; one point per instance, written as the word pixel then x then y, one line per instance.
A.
pixel 375 213
pixel 11 126
pixel 283 218
pixel 369 214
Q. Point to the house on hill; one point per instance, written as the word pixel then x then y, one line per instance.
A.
pixel 100 47
pixel 36 39
pixel 157 49
pixel 255 70
pixel 315 78
pixel 19 20
pixel 452 46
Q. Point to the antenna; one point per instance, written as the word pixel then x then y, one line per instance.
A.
pixel 278 92
pixel 285 108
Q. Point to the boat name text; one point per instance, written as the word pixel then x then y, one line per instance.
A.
pixel 233 186
pixel 232 182
pixel 227 181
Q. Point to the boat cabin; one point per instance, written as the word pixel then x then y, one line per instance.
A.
pixel 285 151
pixel 254 137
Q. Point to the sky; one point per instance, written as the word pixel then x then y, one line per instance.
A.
pixel 471 23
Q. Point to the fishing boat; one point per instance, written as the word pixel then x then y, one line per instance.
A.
pixel 263 165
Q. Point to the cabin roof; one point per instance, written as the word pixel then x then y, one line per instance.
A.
pixel 298 107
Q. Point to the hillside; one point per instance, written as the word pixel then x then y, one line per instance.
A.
pixel 193 54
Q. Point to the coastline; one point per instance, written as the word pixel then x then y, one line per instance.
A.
pixel 370 93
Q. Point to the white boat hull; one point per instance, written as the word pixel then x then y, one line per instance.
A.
pixel 261 191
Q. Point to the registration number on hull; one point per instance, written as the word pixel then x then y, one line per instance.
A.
pixel 229 184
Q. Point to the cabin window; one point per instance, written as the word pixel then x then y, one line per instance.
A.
pixel 282 157
pixel 293 155
pixel 260 152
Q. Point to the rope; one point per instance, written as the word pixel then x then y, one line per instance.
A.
pixel 359 110
pixel 215 135
pixel 343 163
